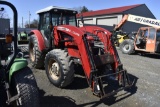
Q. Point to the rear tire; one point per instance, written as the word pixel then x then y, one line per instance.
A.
pixel 127 46
pixel 24 84
pixel 35 55
pixel 59 68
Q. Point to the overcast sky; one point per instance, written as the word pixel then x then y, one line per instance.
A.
pixel 24 6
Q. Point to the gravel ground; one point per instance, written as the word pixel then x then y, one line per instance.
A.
pixel 145 93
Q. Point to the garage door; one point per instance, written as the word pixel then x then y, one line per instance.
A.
pixel 88 21
pixel 107 21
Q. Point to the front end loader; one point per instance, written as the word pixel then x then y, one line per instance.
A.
pixel 59 44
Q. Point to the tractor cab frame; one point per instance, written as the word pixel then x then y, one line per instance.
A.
pixel 54 16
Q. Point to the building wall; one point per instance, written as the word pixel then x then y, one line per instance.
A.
pixel 139 11
pixel 103 20
pixel 4 26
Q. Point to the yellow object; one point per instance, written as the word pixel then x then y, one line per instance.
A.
pixel 121 38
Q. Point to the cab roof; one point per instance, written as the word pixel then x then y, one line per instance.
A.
pixel 54 7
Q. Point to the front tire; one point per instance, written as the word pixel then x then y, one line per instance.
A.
pixel 127 46
pixel 59 68
pixel 4 94
pixel 24 84
pixel 35 54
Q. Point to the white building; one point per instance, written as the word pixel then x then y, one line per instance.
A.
pixel 107 17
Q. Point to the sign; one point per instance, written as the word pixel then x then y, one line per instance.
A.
pixel 144 20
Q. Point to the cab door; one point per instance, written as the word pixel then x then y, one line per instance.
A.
pixel 44 28
pixel 150 45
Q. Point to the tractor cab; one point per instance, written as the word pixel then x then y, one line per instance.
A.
pixel 54 16
pixel 148 40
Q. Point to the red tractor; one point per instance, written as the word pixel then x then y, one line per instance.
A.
pixel 59 44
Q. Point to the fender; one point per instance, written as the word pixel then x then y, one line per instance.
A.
pixel 39 36
pixel 18 64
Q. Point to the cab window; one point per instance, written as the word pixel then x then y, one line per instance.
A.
pixel 64 19
pixel 152 32
pixel 145 33
pixel 44 21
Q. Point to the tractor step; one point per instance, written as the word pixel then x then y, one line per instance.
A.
pixel 107 85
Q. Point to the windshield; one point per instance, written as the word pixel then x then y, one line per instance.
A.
pixel 64 20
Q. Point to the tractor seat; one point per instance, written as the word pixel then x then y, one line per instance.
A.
pixel 140 40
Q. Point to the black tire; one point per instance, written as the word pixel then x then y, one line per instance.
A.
pixel 24 84
pixel 4 98
pixel 63 73
pixel 35 55
pixel 127 46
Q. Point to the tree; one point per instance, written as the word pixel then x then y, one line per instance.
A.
pixel 82 9
pixel 33 24
pixel 3 14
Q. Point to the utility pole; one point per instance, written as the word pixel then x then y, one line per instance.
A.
pixel 22 22
pixel 29 19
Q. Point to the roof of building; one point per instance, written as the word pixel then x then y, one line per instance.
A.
pixel 53 7
pixel 109 11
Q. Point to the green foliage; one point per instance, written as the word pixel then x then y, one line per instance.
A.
pixel 82 9
pixel 33 24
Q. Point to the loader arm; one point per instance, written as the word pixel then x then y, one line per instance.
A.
pixel 138 19
pixel 105 37
pixel 77 35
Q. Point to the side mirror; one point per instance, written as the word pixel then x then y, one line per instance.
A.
pixel 50 27
pixel 1 9
pixel 8 38
pixel 82 19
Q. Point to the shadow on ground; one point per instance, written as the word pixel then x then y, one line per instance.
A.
pixel 80 81
pixel 148 55
pixel 55 101
pixel 155 56
pixel 61 101
pixel 113 99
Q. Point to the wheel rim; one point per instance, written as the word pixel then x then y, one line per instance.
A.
pixel 32 53
pixel 126 47
pixel 54 69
